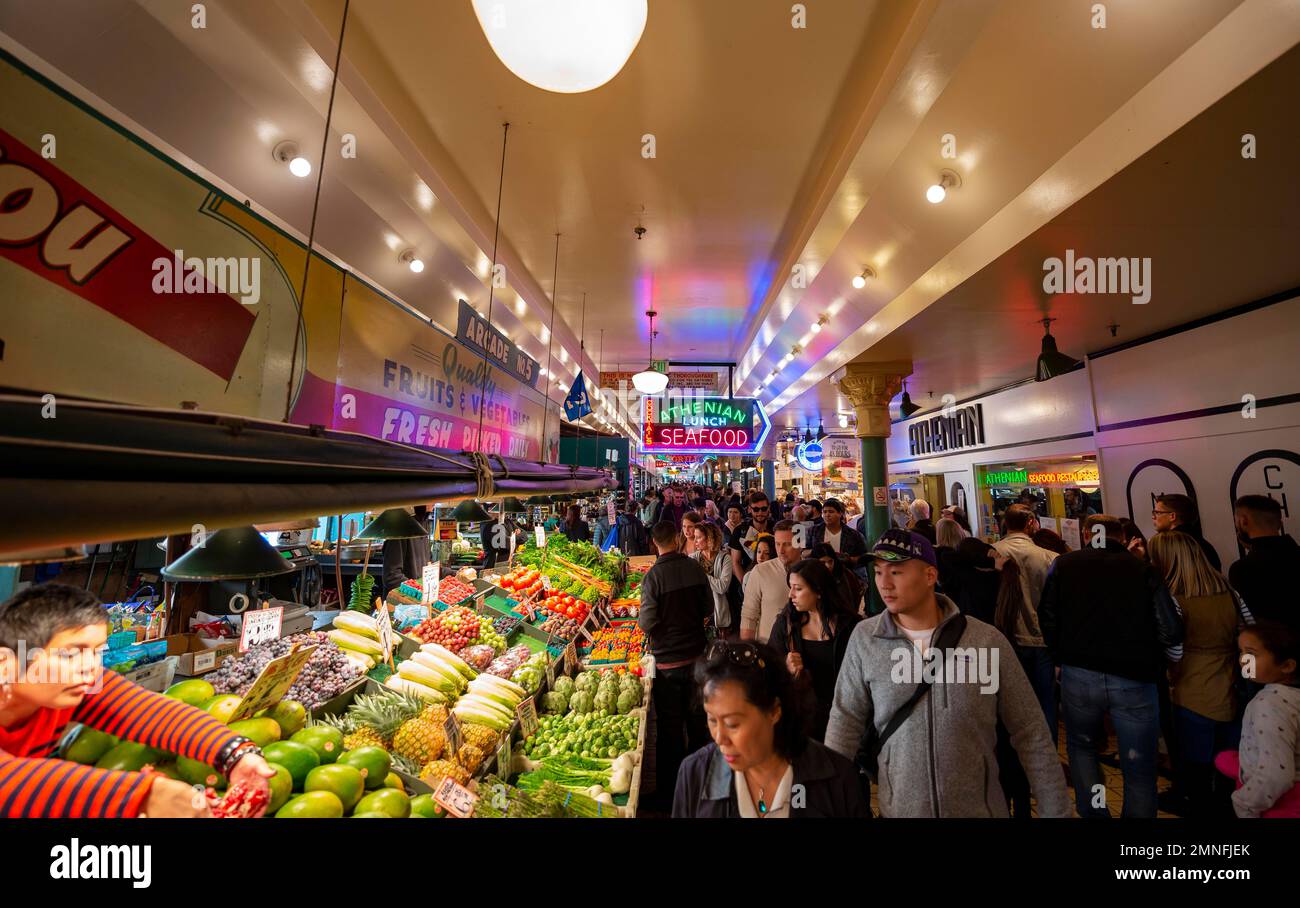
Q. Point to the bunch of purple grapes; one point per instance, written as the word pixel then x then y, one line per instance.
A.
pixel 324 676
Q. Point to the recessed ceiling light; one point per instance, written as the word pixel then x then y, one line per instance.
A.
pixel 287 153
pixel 860 280
pixel 948 179
pixel 408 259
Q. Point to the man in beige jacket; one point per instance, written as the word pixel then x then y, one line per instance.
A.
pixel 768 589
pixel 1034 563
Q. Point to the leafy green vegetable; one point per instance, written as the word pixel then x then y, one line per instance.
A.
pixel 555 702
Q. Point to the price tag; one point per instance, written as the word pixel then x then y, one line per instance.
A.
pixel 570 657
pixel 260 626
pixel 546 583
pixel 504 758
pixel 452 728
pixel 582 629
pixel 455 798
pixel 385 627
pixel 540 535
pixel 527 713
pixel 429 580
pixel 273 683
pixel 550 671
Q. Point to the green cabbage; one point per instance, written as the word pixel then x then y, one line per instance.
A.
pixel 587 681
pixel 628 700
pixel 564 684
pixel 582 702
pixel 555 702
pixel 606 699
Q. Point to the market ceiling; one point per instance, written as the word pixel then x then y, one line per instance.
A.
pixel 774 147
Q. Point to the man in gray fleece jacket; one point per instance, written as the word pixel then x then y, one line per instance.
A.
pixel 941 762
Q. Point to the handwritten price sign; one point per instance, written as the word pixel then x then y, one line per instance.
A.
pixel 527 713
pixel 458 800
pixel 454 737
pixel 261 626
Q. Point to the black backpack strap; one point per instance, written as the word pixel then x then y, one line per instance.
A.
pixel 946 639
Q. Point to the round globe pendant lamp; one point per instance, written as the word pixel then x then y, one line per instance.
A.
pixel 565 46
pixel 650 380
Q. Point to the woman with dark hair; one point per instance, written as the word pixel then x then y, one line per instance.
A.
pixel 850 586
pixel 759 752
pixel 1050 540
pixel 813 632
pixel 959 515
pixel 575 528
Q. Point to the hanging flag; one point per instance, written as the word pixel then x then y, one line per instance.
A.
pixel 576 404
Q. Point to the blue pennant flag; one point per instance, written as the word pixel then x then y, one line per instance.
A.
pixel 576 404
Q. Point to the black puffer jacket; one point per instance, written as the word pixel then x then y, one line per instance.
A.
pixel 1105 610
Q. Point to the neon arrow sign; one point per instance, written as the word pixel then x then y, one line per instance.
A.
pixel 703 425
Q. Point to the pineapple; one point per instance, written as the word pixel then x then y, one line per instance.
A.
pixel 470 757
pixel 482 737
pixel 434 712
pixel 434 771
pixel 420 740
pixel 376 718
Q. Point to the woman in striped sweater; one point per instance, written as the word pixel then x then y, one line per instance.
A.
pixel 51 643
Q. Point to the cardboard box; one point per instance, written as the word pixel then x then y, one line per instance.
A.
pixel 199 655
pixel 156 677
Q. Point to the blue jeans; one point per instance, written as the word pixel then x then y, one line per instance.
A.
pixel 1087 697
pixel 1037 663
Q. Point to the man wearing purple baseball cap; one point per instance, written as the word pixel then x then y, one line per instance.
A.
pixel 920 693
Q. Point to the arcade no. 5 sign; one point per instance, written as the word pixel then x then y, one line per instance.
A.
pixel 703 425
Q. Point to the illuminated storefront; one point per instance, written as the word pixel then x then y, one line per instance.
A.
pixel 1062 492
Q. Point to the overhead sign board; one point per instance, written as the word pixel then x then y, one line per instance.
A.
pixel 477 332
pixel 703 425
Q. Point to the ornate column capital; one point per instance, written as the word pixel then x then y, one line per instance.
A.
pixel 871 386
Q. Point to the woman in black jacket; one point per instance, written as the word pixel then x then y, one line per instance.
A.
pixel 812 633
pixel 760 764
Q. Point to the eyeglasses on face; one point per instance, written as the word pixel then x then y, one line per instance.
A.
pixel 1159 513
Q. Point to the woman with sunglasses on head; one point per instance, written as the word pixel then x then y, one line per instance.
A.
pixel 812 634
pixel 760 763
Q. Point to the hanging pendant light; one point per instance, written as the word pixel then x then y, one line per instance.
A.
pixel 393 523
pixel 566 46
pixel 807 436
pixel 238 553
pixel 649 380
pixel 470 511
pixel 1052 362
pixel 511 505
pixel 821 430
pixel 905 406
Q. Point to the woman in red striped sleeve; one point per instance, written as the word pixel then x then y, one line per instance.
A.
pixel 52 638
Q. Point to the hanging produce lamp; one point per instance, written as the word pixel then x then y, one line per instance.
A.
pixel 470 511
pixel 237 553
pixel 650 380
pixel 905 406
pixel 511 505
pixel 393 523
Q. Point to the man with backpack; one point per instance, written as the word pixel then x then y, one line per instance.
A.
pixel 632 537
pixel 920 693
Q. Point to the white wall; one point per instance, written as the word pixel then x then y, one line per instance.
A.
pixel 1147 399
pixel 1213 366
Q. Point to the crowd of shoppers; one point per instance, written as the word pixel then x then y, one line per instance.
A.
pixel 949 701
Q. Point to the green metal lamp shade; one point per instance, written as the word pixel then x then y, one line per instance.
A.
pixel 512 506
pixel 394 523
pixel 238 553
pixel 470 511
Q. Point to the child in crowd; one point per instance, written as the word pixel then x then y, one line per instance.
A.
pixel 1267 766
